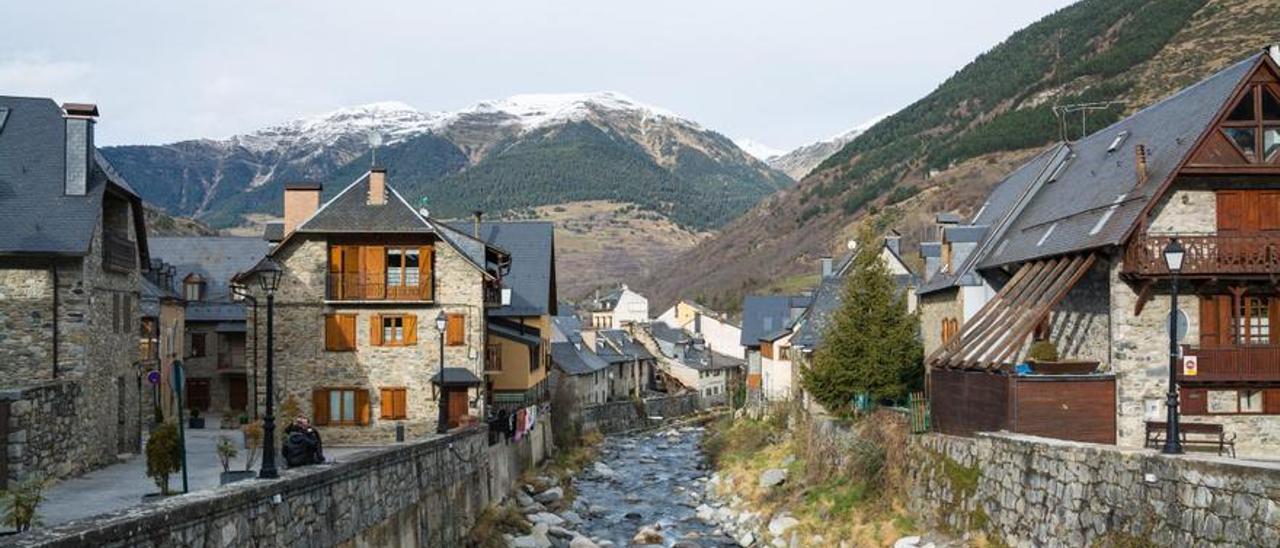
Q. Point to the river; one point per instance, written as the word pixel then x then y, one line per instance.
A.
pixel 652 479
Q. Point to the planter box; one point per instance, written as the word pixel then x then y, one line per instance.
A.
pixel 1068 367
pixel 236 475
pixel 195 423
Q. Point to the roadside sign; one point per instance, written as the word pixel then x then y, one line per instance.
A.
pixel 1190 366
pixel 153 377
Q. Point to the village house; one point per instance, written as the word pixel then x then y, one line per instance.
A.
pixel 618 308
pixel 635 367
pixel 72 253
pixel 695 365
pixel 220 373
pixel 718 332
pixel 766 328
pixel 574 363
pixel 160 340
pixel 380 315
pixel 517 351
pixel 1070 253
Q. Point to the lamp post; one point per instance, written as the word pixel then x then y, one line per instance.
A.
pixel 442 425
pixel 1173 254
pixel 269 276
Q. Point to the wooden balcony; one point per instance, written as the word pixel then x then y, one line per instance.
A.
pixel 366 287
pixel 1207 255
pixel 1234 364
pixel 118 253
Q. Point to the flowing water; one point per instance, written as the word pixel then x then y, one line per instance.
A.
pixel 654 479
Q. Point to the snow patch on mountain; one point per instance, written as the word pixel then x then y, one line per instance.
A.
pixel 760 150
pixel 533 111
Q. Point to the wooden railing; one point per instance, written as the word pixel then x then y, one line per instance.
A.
pixel 492 295
pixel 1206 255
pixel 367 287
pixel 1234 364
pixel 118 253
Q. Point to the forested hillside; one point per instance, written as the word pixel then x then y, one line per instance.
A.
pixel 946 150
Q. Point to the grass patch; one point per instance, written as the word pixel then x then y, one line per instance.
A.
pixel 493 522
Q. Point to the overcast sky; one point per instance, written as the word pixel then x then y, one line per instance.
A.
pixel 783 73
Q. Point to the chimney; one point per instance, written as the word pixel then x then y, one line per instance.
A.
pixel 1140 163
pixel 697 322
pixel 377 186
pixel 894 242
pixel 825 262
pixel 477 215
pixel 589 339
pixel 79 118
pixel 300 201
pixel 1274 51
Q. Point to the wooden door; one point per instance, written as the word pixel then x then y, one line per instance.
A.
pixel 237 393
pixel 1215 321
pixel 198 394
pixel 457 405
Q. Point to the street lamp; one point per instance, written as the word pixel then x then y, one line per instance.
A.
pixel 442 424
pixel 269 276
pixel 1173 254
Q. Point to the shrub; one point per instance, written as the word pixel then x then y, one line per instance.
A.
pixel 20 503
pixel 1043 351
pixel 252 443
pixel 290 409
pixel 164 455
pixel 226 451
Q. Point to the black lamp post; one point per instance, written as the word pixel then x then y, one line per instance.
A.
pixel 442 425
pixel 1173 254
pixel 269 276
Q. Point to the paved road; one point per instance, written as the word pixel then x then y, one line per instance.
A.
pixel 123 485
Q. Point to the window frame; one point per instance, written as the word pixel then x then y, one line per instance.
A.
pixel 402 413
pixel 338 319
pixel 202 346
pixel 1269 399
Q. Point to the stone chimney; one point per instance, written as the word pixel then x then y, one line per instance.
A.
pixel 475 230
pixel 697 323
pixel 826 266
pixel 79 118
pixel 378 186
pixel 300 201
pixel 1140 163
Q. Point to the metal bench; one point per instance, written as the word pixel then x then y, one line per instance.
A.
pixel 1207 434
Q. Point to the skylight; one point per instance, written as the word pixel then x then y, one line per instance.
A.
pixel 4 115
pixel 1115 143
pixel 1062 166
pixel 1107 216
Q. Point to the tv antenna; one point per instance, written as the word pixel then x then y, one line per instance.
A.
pixel 375 140
pixel 1061 112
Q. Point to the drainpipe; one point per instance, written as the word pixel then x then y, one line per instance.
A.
pixel 53 273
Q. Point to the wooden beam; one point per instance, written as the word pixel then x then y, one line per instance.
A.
pixel 987 357
pixel 993 333
pixel 1059 292
pixel 968 327
pixel 1144 295
pixel 994 308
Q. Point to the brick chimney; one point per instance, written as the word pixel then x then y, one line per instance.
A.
pixel 300 201
pixel 378 186
pixel 1140 163
pixel 79 118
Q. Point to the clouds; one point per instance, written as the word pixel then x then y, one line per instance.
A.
pixel 782 73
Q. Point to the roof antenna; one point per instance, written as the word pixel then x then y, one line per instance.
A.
pixel 375 140
pixel 422 207
pixel 1061 112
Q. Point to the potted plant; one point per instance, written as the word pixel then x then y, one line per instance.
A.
pixel 20 504
pixel 164 457
pixel 226 453
pixel 1044 360
pixel 195 422
pixel 243 419
pixel 252 443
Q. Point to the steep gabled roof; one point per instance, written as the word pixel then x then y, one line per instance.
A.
pixel 575 359
pixel 765 314
pixel 1094 201
pixel 215 259
pixel 531 278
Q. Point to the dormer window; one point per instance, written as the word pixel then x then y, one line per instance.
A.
pixel 193 287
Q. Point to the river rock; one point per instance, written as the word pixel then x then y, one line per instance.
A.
pixel 747 539
pixel 773 477
pixel 780 524
pixel 545 518
pixel 535 539
pixel 561 532
pixel 571 517
pixel 907 542
pixel 603 470
pixel 647 535
pixel 582 542
pixel 533 508
pixel 523 499
pixel 550 495
pixel 706 513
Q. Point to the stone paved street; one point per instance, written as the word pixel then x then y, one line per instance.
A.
pixel 123 485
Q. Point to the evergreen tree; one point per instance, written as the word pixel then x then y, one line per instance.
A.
pixel 870 344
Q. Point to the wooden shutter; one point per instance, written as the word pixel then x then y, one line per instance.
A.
pixel 375 271
pixel 375 329
pixel 1215 321
pixel 1271 401
pixel 335 272
pixel 351 288
pixel 339 332
pixel 320 407
pixel 1231 210
pixel 386 403
pixel 410 329
pixel 1194 401
pixel 426 263
pixel 1268 210
pixel 456 330
pixel 362 407
pixel 401 406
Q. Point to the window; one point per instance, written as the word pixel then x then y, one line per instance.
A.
pixel 393 329
pixel 784 353
pixel 1201 401
pixel 149 340
pixel 191 290
pixel 950 326
pixel 197 345
pixel 1253 323
pixel 340 406
pixel 493 357
pixel 455 329
pixel 1250 401
pixel 339 332
pixel 393 404
pixel 402 267
pixel 1253 125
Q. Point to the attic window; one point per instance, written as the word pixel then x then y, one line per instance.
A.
pixel 1253 125
pixel 1115 143
pixel 1244 109
pixel 4 115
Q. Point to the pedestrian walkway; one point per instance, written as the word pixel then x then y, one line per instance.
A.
pixel 122 485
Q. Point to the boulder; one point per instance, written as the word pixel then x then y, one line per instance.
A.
pixel 780 524
pixel 571 517
pixel 535 539
pixel 773 477
pixel 603 470
pixel 545 518
pixel 705 513
pixel 647 535
pixel 747 539
pixel 582 542
pixel 523 499
pixel 561 532
pixel 907 542
pixel 550 495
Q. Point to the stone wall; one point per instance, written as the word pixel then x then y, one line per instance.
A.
pixel 1030 491
pixel 623 415
pixel 44 432
pixel 934 308
pixel 425 493
pixel 1080 325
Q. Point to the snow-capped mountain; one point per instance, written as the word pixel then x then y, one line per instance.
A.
pixel 513 153
pixel 760 150
pixel 800 161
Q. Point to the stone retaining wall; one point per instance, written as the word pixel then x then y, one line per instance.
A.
pixel 425 493
pixel 1031 491
pixel 620 416
pixel 44 438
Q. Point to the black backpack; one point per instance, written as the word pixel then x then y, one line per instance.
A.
pixel 299 449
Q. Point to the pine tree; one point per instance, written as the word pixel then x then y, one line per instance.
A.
pixel 870 344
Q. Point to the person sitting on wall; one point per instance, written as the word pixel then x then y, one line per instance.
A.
pixel 302 445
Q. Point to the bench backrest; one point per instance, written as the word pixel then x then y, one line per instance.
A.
pixel 1189 427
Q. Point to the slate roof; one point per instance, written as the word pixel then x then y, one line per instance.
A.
pixel 532 275
pixel 149 297
pixel 764 314
pixel 215 312
pixel 216 259
pixel 575 360
pixel 455 376
pixel 948 217
pixel 39 219
pixel 930 249
pixel 566 328
pixel 666 333
pixel 623 340
pixel 704 359
pixel 273 232
pixel 1095 200
pixel 811 327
